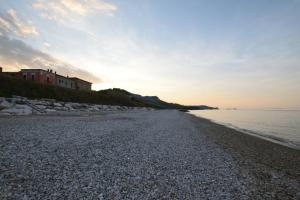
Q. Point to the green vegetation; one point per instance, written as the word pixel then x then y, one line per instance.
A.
pixel 10 86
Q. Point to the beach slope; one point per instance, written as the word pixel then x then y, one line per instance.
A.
pixel 163 154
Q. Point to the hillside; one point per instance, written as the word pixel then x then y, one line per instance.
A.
pixel 11 86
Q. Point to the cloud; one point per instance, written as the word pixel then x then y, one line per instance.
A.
pixel 16 54
pixel 46 44
pixel 10 23
pixel 61 10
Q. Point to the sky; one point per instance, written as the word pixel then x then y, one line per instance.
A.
pixel 232 53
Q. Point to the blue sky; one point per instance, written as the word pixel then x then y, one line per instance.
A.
pixel 231 53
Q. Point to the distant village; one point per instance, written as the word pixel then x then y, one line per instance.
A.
pixel 49 77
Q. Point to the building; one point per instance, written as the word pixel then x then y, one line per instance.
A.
pixel 39 75
pixel 49 77
pixel 65 82
pixel 81 84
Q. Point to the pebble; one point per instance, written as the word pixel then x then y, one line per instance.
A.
pixel 124 155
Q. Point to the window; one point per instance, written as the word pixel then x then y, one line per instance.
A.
pixel 48 80
pixel 24 76
pixel 32 77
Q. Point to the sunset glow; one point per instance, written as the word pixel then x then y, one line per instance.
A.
pixel 231 53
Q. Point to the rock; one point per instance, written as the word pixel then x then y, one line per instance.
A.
pixel 69 106
pixel 104 107
pixel 93 109
pixel 57 104
pixel 77 106
pixel 61 108
pixel 42 103
pixel 5 104
pixel 97 107
pixel 18 110
pixel 41 107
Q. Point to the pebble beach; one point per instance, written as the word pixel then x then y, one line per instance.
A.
pixel 140 154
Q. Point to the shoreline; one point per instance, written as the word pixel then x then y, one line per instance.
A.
pixel 269 138
pixel 249 147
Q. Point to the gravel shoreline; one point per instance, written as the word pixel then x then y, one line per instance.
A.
pixel 275 167
pixel 137 155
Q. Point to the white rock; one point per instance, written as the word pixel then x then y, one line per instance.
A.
pixel 93 108
pixel 104 107
pixel 41 107
pixel 42 103
pixel 57 104
pixel 99 107
pixel 5 104
pixel 68 105
pixel 18 110
pixel 61 108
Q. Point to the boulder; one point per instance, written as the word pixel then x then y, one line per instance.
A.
pixel 5 104
pixel 104 107
pixel 42 103
pixel 18 110
pixel 93 109
pixel 69 106
pixel 61 108
pixel 76 106
pixel 42 107
pixel 57 105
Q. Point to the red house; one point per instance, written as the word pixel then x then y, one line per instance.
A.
pixel 49 78
pixel 39 75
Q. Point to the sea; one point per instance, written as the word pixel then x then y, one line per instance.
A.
pixel 276 125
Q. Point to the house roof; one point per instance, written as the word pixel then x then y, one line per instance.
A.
pixel 33 70
pixel 61 76
pixel 71 78
pixel 74 78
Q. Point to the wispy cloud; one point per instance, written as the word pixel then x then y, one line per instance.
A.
pixel 10 23
pixel 16 54
pixel 64 10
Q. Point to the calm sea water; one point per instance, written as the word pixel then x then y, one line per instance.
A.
pixel 281 126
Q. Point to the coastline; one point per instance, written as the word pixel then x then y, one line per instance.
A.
pixel 256 133
pixel 248 147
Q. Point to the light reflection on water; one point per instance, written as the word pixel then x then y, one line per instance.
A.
pixel 280 125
